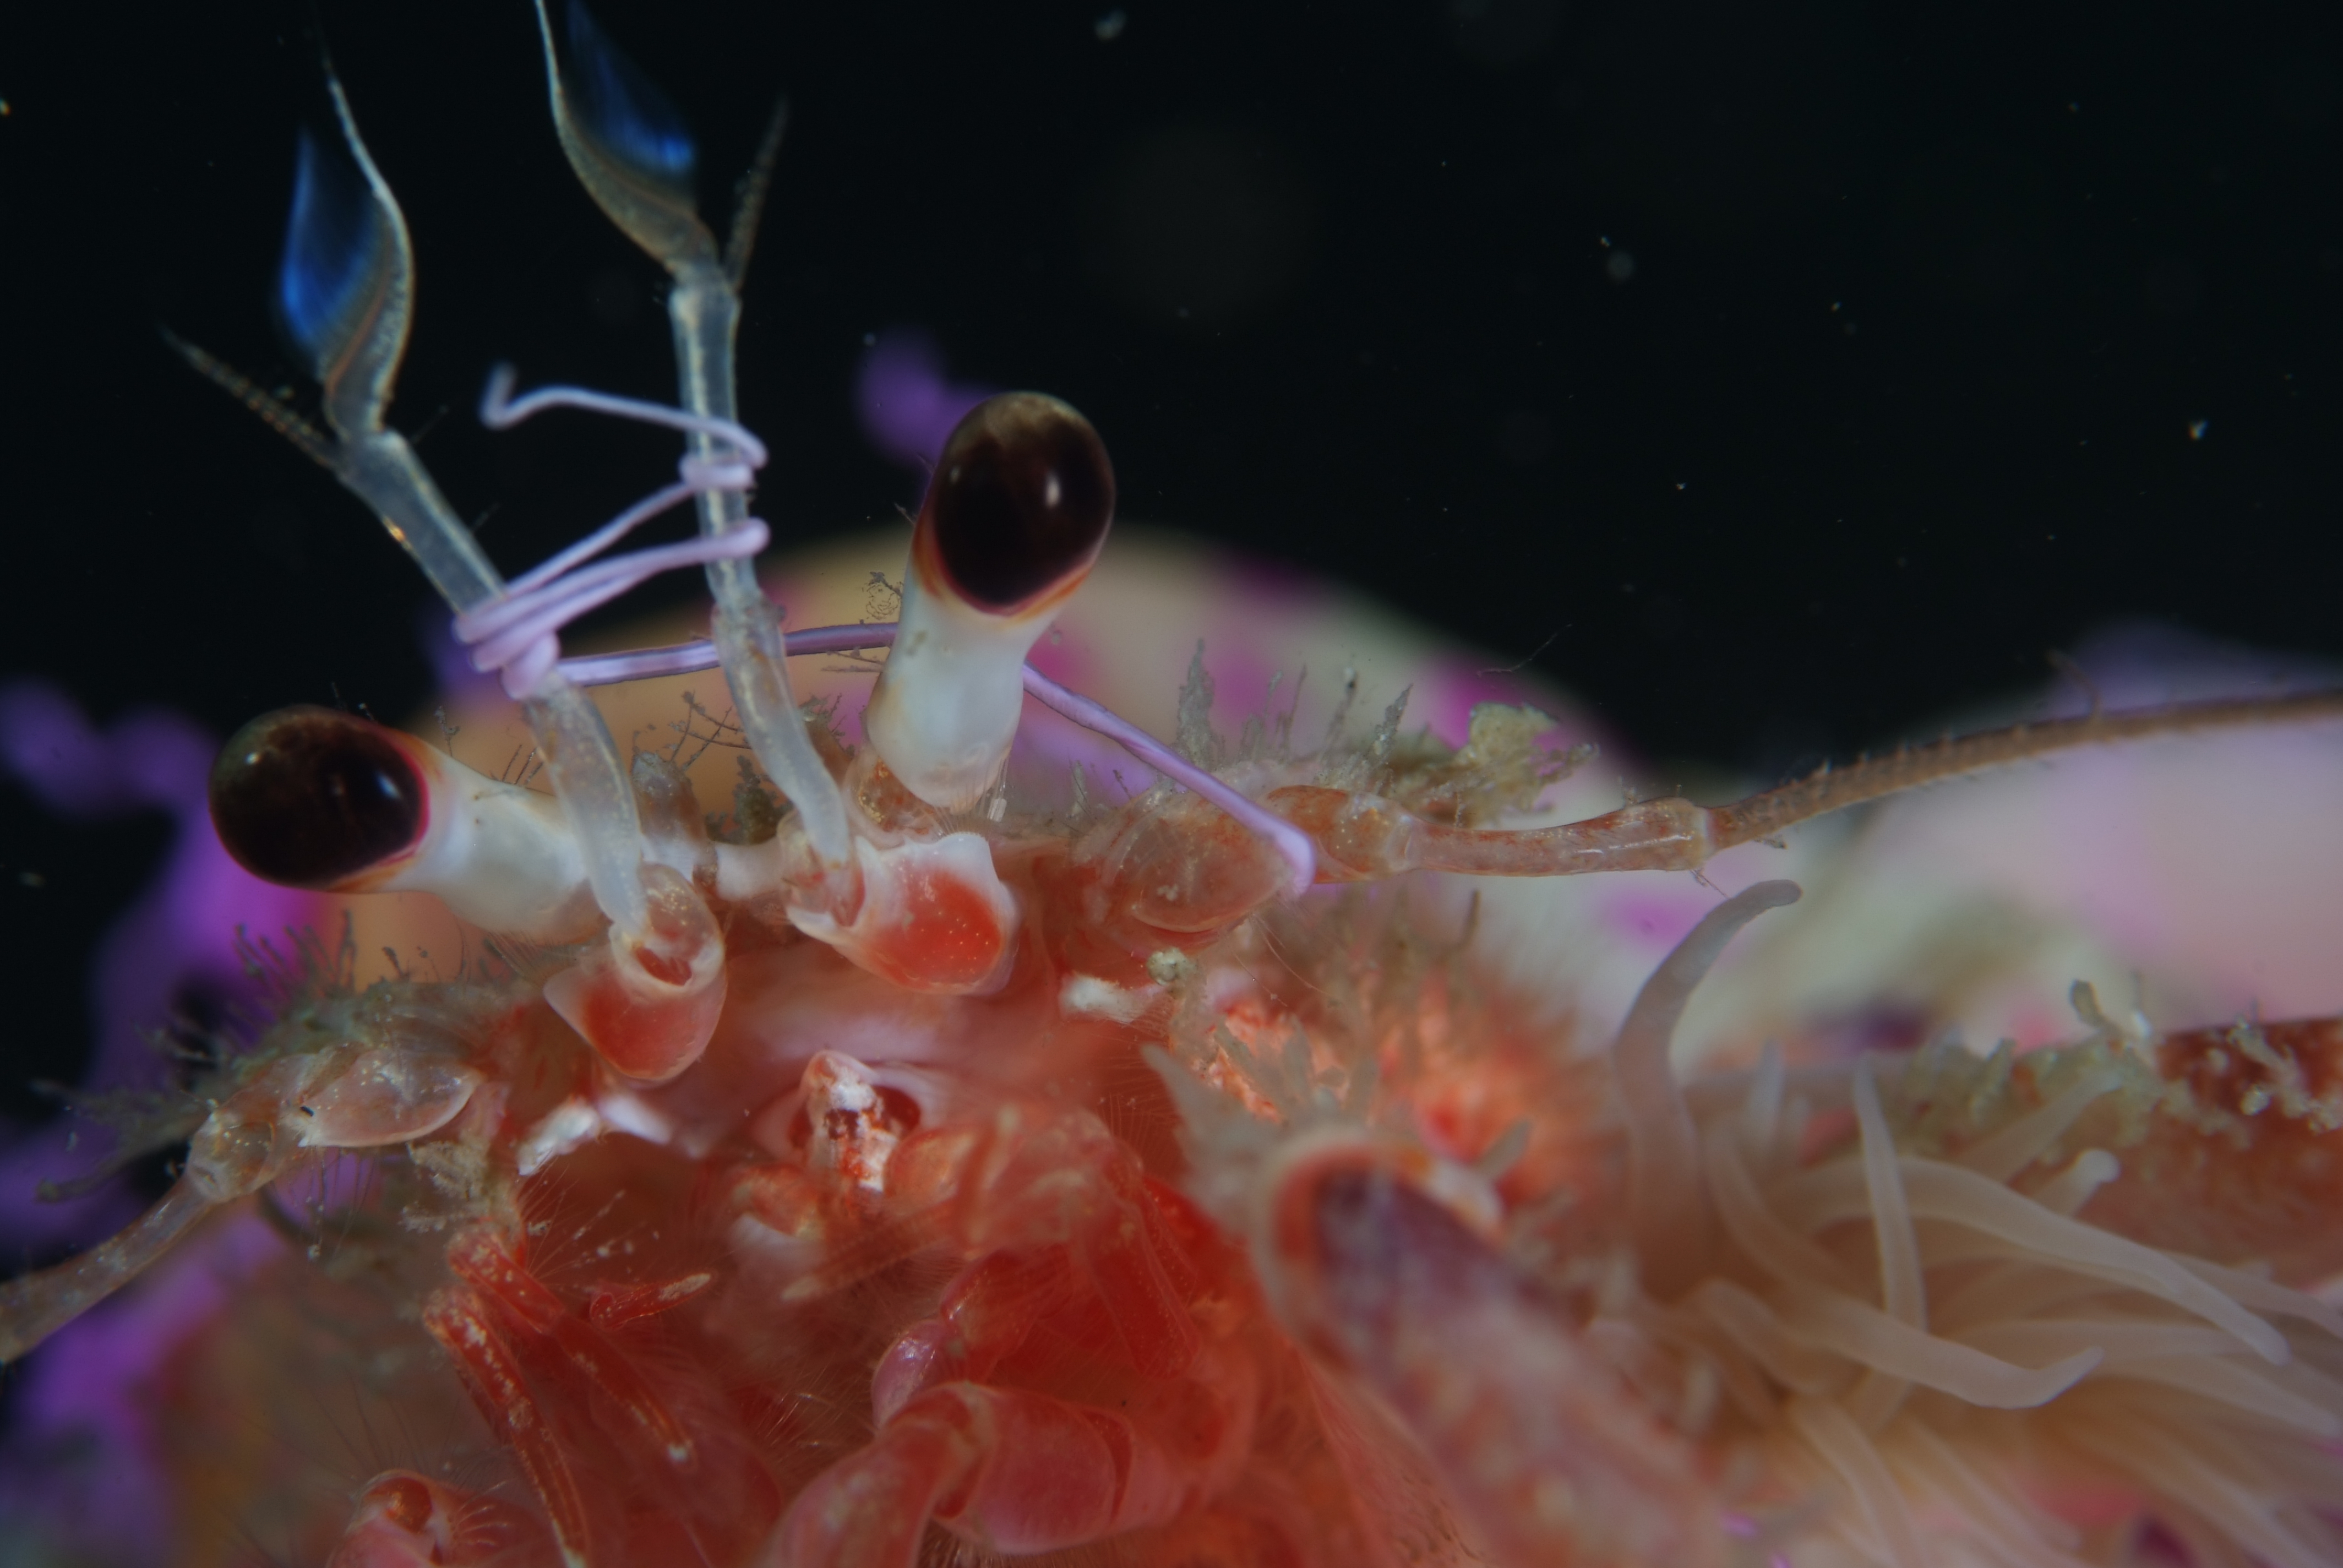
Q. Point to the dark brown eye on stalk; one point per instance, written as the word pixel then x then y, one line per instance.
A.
pixel 307 797
pixel 1021 502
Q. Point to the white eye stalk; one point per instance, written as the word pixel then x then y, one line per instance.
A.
pixel 1020 505
pixel 310 798
pixel 947 705
pixel 1018 512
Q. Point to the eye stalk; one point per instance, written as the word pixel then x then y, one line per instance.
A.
pixel 1021 503
pixel 310 798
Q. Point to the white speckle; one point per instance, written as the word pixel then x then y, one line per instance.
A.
pixel 855 1096
pixel 1095 998
pixel 626 1113
pixel 1110 26
pixel 2196 428
pixel 564 1127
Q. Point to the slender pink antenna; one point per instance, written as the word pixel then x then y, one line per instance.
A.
pixel 1301 855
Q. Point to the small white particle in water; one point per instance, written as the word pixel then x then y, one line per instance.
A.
pixel 1110 26
pixel 2196 428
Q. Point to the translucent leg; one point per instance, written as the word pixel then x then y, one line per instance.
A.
pixel 345 1096
pixel 1361 837
pixel 870 1511
pixel 34 1306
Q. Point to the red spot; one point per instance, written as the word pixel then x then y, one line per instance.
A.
pixel 659 967
pixel 404 1501
pixel 2254 1169
pixel 944 933
pixel 615 1024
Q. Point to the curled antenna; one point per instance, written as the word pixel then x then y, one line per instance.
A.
pixel 633 154
pixel 518 634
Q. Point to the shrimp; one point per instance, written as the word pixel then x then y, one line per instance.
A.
pixel 910 1168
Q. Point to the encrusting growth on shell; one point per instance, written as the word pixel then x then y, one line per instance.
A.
pixel 1886 1307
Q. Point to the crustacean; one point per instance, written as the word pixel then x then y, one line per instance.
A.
pixel 926 1176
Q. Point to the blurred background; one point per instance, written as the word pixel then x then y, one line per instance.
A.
pixel 1775 377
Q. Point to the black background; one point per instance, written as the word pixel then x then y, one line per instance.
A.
pixel 1924 301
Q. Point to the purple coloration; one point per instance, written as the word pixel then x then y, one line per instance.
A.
pixel 2143 664
pixel 460 687
pixel 81 1462
pixel 906 406
pixel 1281 586
pixel 178 943
pixel 1448 691
pixel 1656 915
pixel 44 1154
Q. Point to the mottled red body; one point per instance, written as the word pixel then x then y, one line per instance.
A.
pixel 2260 1160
